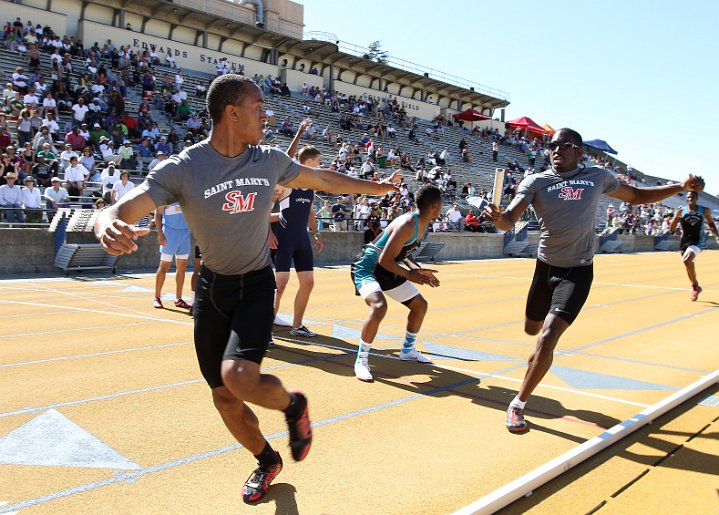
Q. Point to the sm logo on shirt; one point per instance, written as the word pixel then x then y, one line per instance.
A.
pixel 239 203
pixel 569 193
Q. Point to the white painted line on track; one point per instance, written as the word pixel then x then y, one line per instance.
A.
pixel 475 373
pixel 98 311
pixel 524 485
pixel 548 386
pixel 74 329
pixel 95 354
pixel 3 503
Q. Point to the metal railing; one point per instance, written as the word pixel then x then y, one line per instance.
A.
pixel 409 66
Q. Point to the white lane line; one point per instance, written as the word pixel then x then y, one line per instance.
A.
pixel 82 297
pixel 98 311
pixel 94 354
pixel 548 386
pixel 475 373
pixel 39 333
pixel 3 503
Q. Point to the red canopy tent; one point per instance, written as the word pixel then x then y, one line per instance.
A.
pixel 471 115
pixel 526 124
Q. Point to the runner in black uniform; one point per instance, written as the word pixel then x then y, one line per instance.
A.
pixel 225 185
pixel 692 218
pixel 566 199
pixel 296 214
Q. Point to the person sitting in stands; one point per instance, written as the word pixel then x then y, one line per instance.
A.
pixel 471 222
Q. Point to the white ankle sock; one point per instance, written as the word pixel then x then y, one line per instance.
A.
pixel 517 403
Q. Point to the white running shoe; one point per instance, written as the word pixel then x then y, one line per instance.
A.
pixel 280 322
pixel 362 371
pixel 414 355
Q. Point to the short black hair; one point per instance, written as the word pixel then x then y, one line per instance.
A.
pixel 572 135
pixel 225 90
pixel 427 195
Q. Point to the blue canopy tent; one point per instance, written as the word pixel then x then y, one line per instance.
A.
pixel 600 144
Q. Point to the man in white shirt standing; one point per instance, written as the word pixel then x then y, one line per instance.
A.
pixel 454 215
pixel 79 111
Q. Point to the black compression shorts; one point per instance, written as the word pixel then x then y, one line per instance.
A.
pixel 557 290
pixel 233 319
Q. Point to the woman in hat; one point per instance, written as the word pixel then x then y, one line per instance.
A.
pixel 31 201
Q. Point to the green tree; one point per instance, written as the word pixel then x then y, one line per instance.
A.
pixel 375 53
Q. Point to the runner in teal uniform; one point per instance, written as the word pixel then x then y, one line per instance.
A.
pixel 376 272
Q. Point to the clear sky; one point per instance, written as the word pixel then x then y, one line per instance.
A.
pixel 640 74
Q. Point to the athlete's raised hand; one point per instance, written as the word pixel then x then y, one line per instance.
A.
pixel 694 183
pixel 119 237
pixel 395 178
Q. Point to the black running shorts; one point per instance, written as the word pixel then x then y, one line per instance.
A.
pixel 559 291
pixel 233 319
pixel 293 248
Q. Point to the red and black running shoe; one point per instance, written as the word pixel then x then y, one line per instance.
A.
pixel 300 430
pixel 258 483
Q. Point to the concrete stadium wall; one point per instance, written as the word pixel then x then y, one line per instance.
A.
pixel 57 19
pixel 186 56
pixel 30 251
pixel 414 107
pixel 294 79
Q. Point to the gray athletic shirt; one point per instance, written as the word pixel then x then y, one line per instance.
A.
pixel 226 201
pixel 566 206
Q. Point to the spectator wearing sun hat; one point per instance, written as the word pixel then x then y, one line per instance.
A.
pixel 11 199
pixel 160 156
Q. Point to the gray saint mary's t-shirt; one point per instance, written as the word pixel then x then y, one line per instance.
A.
pixel 566 206
pixel 226 201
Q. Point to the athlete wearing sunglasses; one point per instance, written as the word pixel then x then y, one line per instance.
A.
pixel 566 199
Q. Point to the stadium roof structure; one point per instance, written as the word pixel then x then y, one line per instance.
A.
pixel 225 19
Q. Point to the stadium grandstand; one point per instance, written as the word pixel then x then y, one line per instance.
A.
pixel 121 85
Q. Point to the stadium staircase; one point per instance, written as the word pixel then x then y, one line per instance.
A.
pixel 609 243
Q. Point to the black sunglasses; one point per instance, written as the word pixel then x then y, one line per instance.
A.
pixel 563 145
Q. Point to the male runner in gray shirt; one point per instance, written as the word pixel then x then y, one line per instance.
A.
pixel 565 199
pixel 224 185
